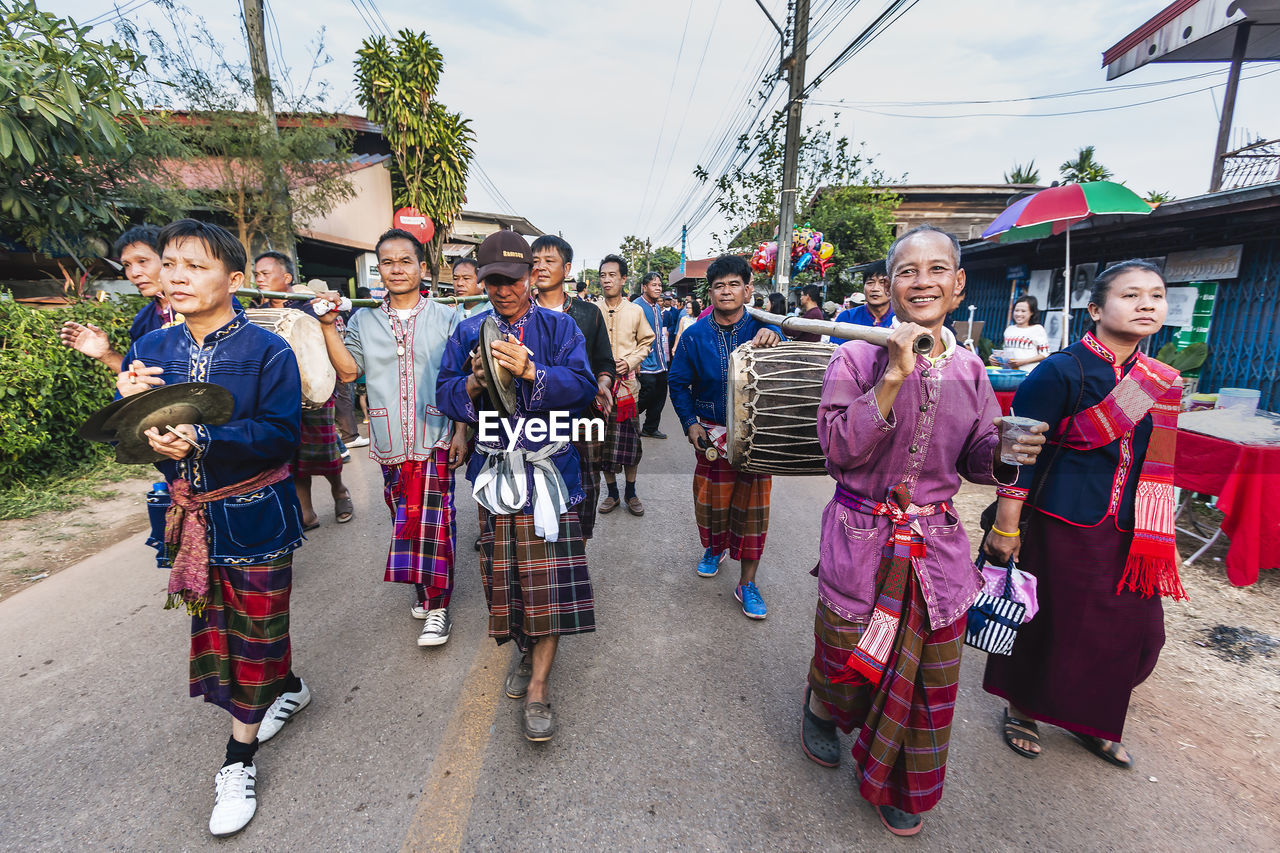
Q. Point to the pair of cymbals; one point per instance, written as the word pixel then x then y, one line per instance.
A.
pixel 126 421
pixel 501 385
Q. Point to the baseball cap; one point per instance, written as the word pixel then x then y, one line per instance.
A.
pixel 504 253
pixel 668 295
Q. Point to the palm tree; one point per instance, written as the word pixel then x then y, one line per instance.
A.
pixel 1021 174
pixel 1084 168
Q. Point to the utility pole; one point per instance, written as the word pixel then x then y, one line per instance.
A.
pixel 277 186
pixel 1239 49
pixel 684 244
pixel 791 153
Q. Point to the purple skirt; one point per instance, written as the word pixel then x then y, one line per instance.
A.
pixel 1075 664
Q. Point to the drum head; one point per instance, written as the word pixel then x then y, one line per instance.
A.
pixel 305 336
pixel 501 385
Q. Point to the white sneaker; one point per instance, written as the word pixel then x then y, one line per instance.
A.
pixel 282 711
pixel 235 801
pixel 419 611
pixel 435 632
pixel 361 441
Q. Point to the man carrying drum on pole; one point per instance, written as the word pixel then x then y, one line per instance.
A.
pixel 731 507
pixel 895 579
pixel 228 484
pixel 398 346
pixel 319 454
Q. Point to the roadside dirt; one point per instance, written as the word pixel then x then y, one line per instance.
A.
pixel 1214 699
pixel 47 543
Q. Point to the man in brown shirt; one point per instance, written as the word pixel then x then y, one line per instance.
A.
pixel 631 338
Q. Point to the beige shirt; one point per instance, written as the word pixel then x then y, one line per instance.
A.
pixel 630 336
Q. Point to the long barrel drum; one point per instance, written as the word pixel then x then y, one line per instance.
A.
pixel 871 334
pixel 254 293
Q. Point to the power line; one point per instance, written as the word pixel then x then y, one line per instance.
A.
pixel 117 12
pixel 895 10
pixel 363 16
pixel 697 76
pixel 377 13
pixel 666 107
pixel 1084 111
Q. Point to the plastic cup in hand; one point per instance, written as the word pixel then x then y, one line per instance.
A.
pixel 1012 430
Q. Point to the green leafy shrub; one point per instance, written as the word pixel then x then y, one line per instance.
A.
pixel 47 390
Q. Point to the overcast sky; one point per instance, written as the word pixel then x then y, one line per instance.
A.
pixel 582 130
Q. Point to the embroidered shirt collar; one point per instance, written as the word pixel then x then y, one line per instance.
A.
pixel 223 332
pixel 949 342
pixel 513 328
pixel 1102 351
pixel 418 306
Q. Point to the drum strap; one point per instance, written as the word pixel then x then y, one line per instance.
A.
pixel 502 485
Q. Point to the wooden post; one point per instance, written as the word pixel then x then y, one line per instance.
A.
pixel 1229 104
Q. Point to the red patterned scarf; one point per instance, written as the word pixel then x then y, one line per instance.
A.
pixel 1151 386
pixel 186 536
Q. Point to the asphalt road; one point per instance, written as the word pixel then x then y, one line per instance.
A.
pixel 679 717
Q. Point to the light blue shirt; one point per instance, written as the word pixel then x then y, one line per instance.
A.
pixel 404 421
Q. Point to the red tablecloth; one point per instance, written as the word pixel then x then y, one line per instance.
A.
pixel 1005 399
pixel 1246 479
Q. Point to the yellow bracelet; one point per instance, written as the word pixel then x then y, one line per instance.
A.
pixel 999 532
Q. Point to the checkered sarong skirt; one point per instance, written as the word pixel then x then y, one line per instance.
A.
pixel 240 646
pixel 535 588
pixel 426 557
pixel 905 721
pixel 318 454
pixel 621 445
pixel 589 469
pixel 731 508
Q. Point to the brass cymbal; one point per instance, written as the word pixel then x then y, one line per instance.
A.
pixel 501 385
pixel 126 420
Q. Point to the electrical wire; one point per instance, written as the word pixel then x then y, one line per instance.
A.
pixel 666 109
pixel 1084 111
pixel 116 13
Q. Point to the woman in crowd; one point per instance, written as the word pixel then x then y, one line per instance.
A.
pixel 1099 533
pixel 1025 342
pixel 692 308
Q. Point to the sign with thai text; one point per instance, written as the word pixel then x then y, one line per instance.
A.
pixel 1204 264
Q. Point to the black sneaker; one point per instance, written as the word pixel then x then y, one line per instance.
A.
pixel 653 434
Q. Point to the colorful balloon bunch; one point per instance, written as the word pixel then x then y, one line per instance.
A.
pixel 808 249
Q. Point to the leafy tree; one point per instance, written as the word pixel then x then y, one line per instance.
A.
pixel 216 153
pixel 749 194
pixel 70 141
pixel 1159 196
pixel 1084 168
pixel 858 222
pixel 642 257
pixel 1021 174
pixel 431 146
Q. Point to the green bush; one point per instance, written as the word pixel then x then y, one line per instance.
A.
pixel 47 390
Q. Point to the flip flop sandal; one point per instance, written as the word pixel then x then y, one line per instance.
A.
pixel 1016 729
pixel 312 526
pixel 818 737
pixel 344 509
pixel 1110 754
pixel 898 822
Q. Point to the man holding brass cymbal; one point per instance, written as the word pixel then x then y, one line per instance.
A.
pixel 895 579
pixel 731 507
pixel 535 559
pixel 397 346
pixel 229 484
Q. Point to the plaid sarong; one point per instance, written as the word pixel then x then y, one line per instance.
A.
pixel 731 508
pixel 621 445
pixel 905 720
pixel 318 454
pixel 240 646
pixel 423 552
pixel 589 468
pixel 535 588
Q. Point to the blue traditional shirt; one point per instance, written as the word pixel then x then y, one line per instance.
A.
pixel 699 378
pixel 860 315
pixel 657 361
pixel 400 360
pixel 261 372
pixel 1083 487
pixel 563 383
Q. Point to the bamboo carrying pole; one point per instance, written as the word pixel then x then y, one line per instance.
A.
pixel 254 293
pixel 871 334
